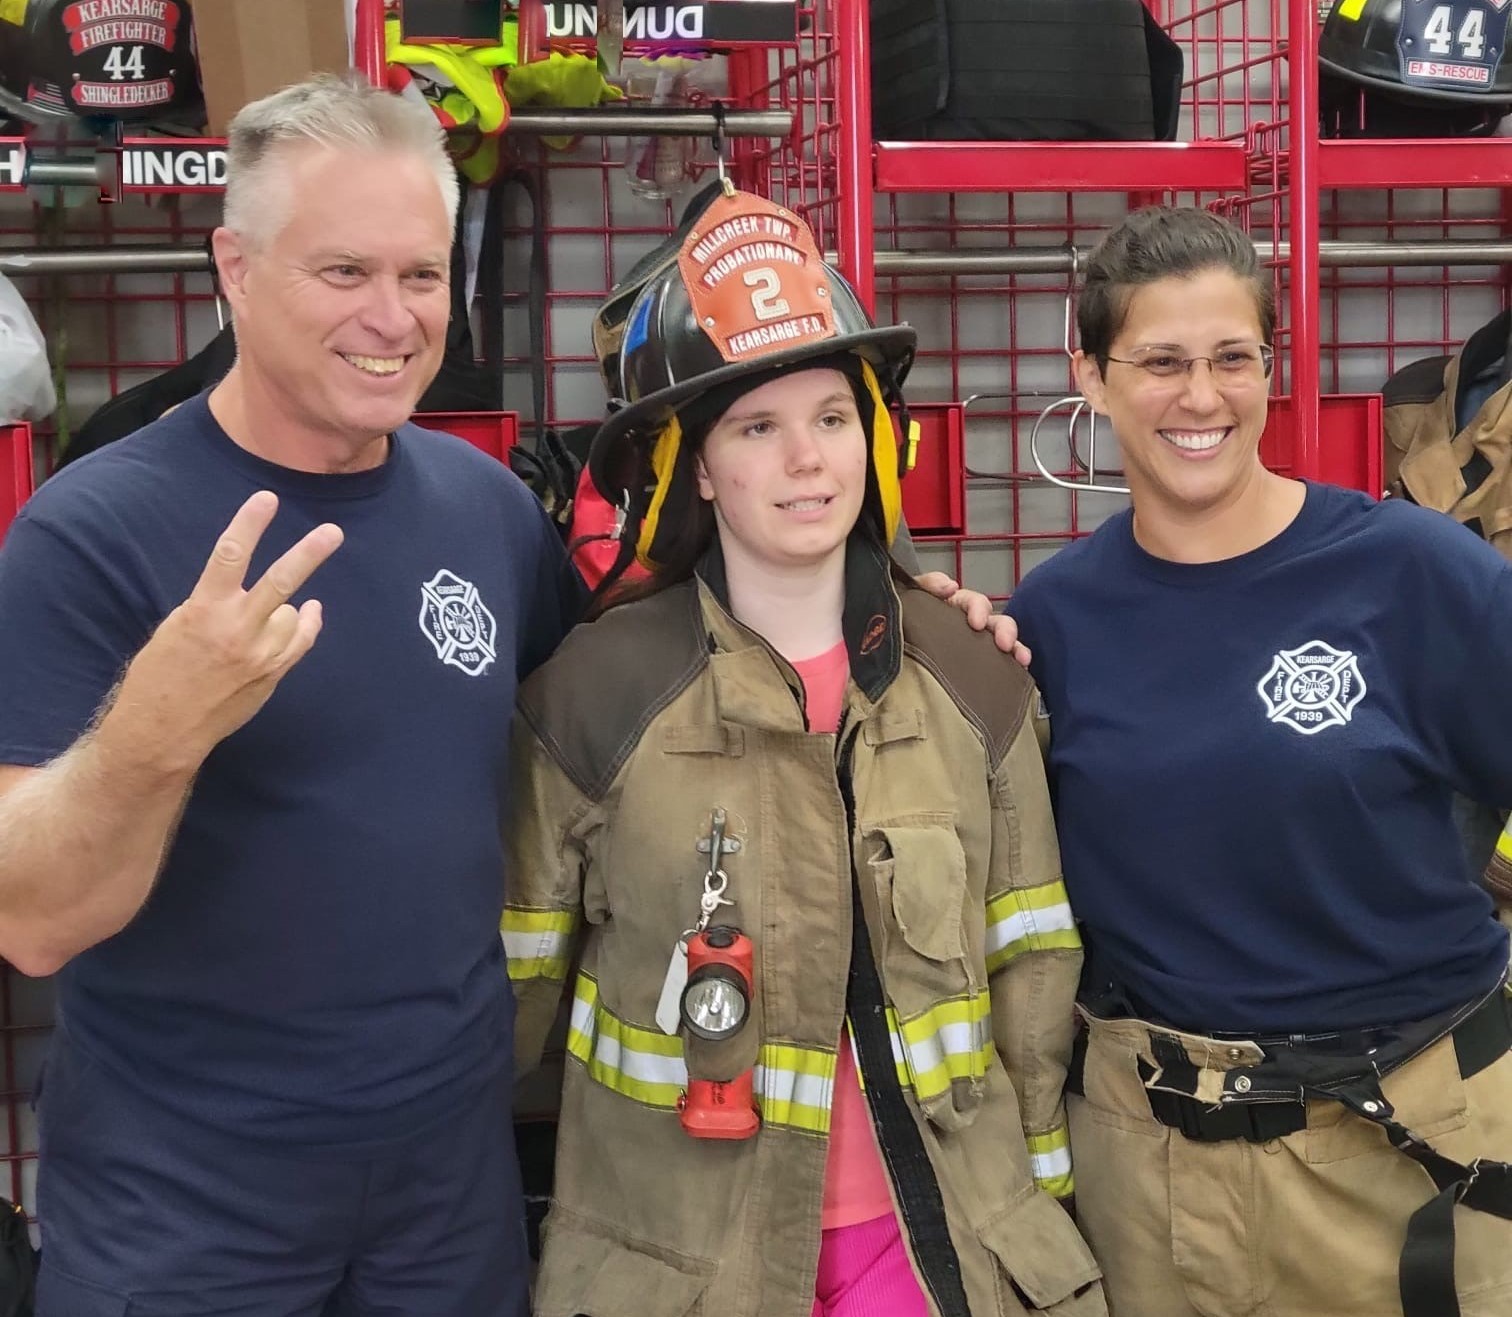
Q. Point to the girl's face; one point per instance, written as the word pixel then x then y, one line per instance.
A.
pixel 785 468
pixel 1189 430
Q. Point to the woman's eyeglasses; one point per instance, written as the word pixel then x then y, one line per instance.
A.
pixel 1239 363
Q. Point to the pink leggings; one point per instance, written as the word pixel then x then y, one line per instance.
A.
pixel 864 1272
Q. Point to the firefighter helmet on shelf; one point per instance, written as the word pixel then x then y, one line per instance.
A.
pixel 1426 67
pixel 125 60
pixel 748 296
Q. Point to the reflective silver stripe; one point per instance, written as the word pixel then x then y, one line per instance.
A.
pixel 1029 919
pixel 951 1040
pixel 537 943
pixel 796 1086
pixel 535 946
pixel 1050 1159
pixel 643 1064
pixel 1051 1165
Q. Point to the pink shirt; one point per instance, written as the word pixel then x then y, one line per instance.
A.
pixel 855 1182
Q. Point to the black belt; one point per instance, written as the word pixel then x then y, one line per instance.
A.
pixel 1255 1122
pixel 1481 1038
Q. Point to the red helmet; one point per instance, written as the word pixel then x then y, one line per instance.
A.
pixel 125 60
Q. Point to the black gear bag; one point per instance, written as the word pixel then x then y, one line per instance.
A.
pixel 1022 70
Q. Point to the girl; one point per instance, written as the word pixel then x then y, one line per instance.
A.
pixel 788 819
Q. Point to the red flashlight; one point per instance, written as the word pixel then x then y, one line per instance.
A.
pixel 715 1005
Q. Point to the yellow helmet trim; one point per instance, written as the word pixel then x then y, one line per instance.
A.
pixel 884 454
pixel 663 461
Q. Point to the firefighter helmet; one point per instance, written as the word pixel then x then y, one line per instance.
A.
pixel 122 60
pixel 748 296
pixel 1435 68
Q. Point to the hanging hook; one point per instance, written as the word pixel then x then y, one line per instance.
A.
pixel 1071 301
pixel 1077 405
pixel 718 141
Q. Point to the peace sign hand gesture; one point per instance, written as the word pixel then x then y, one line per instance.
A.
pixel 216 658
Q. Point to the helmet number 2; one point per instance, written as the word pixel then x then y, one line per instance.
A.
pixel 121 64
pixel 1441 37
pixel 766 294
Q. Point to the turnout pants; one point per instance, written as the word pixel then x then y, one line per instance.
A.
pixel 1310 1223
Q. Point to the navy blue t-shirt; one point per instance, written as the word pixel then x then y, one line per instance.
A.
pixel 1253 760
pixel 319 962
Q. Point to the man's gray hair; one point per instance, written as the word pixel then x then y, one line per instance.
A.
pixel 340 111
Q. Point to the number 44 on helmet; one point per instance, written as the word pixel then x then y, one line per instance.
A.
pixel 99 61
pixel 1415 68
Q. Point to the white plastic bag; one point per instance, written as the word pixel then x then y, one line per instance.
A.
pixel 26 387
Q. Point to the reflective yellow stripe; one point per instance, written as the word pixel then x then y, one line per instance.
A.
pixel 1050 1157
pixel 950 1041
pixel 643 1064
pixel 1351 9
pixel 795 1086
pixel 1504 844
pixel 1029 919
pixel 537 943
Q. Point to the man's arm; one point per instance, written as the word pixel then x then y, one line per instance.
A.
pixel 83 837
pixel 80 844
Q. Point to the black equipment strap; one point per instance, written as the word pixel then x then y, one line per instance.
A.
pixel 920 1204
pixel 1425 1274
pixel 1482 1035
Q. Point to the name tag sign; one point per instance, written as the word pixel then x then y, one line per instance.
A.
pixel 1455 44
pixel 185 166
pixel 12 164
pixel 692 22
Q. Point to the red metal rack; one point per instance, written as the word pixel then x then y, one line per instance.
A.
pixel 998 336
pixel 16 473
pixel 1059 166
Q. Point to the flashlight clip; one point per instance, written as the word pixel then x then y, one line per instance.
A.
pixel 716 880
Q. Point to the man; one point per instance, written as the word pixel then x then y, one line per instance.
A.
pixel 266 870
pixel 249 804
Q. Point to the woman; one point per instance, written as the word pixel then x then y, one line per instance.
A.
pixel 1263 694
pixel 798 836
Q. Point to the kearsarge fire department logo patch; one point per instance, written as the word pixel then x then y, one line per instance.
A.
pixel 457 623
pixel 1313 687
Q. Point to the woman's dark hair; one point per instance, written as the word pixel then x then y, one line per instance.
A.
pixel 686 519
pixel 1158 243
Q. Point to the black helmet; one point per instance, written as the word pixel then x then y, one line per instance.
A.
pixel 1425 69
pixel 745 295
pixel 691 327
pixel 124 60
